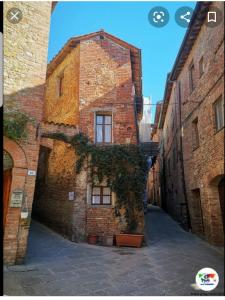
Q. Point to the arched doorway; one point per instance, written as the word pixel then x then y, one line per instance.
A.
pixel 221 197
pixel 7 180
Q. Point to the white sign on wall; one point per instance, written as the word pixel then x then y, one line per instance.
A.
pixel 31 172
pixel 71 195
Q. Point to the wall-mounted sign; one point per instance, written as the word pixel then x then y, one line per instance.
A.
pixel 16 199
pixel 71 195
pixel 31 172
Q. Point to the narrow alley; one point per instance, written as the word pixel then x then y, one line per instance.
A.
pixel 167 265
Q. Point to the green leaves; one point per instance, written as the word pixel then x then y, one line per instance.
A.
pixel 15 125
pixel 123 166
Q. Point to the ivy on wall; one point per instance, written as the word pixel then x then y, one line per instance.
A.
pixel 15 125
pixel 123 166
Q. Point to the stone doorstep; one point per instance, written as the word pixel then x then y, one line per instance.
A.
pixel 20 268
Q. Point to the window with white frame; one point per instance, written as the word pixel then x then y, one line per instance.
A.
pixel 101 195
pixel 103 128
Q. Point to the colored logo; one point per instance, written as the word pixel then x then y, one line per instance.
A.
pixel 207 279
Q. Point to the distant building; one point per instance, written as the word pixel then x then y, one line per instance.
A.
pixel 145 123
pixel 153 186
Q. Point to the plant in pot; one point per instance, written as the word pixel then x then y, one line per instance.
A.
pixel 131 235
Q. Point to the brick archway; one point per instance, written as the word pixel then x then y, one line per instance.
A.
pixel 16 152
pixel 213 180
pixel 13 214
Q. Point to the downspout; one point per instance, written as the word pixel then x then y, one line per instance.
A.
pixel 182 160
pixel 136 119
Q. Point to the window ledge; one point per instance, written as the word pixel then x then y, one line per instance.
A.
pixel 100 206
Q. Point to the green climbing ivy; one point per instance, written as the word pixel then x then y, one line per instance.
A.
pixel 123 166
pixel 15 125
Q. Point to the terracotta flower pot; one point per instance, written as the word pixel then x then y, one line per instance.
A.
pixel 129 240
pixel 92 239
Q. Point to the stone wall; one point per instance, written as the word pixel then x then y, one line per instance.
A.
pixel 25 62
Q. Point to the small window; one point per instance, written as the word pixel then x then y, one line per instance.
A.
pixel 201 67
pixel 195 134
pixel 103 129
pixel 191 77
pixel 101 195
pixel 60 85
pixel 219 116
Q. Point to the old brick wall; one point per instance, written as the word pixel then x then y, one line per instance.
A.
pixel 208 157
pixel 97 78
pixel 25 62
pixel 65 108
pixel 56 178
pixel 173 192
pixel 106 85
pixel 201 162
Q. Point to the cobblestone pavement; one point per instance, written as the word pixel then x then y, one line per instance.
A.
pixel 166 266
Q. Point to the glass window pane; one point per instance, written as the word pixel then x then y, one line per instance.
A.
pixel 106 191
pixel 99 120
pixel 95 199
pixel 106 199
pixel 96 191
pixel 99 137
pixel 108 120
pixel 107 133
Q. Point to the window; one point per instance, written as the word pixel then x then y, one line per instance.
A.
pixel 195 134
pixel 191 77
pixel 60 85
pixel 201 67
pixel 101 195
pixel 103 129
pixel 219 117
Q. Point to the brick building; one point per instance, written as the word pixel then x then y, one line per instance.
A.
pixel 25 63
pixel 192 124
pixel 153 183
pixel 94 87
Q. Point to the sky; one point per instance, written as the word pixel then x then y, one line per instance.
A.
pixel 129 22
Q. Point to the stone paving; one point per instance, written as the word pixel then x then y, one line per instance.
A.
pixel 166 266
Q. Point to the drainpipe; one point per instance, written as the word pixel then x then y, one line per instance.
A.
pixel 182 159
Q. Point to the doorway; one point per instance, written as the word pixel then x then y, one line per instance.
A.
pixel 221 197
pixel 7 181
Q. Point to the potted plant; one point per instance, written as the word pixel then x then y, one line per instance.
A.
pixel 130 236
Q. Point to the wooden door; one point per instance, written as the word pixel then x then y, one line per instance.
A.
pixel 7 177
